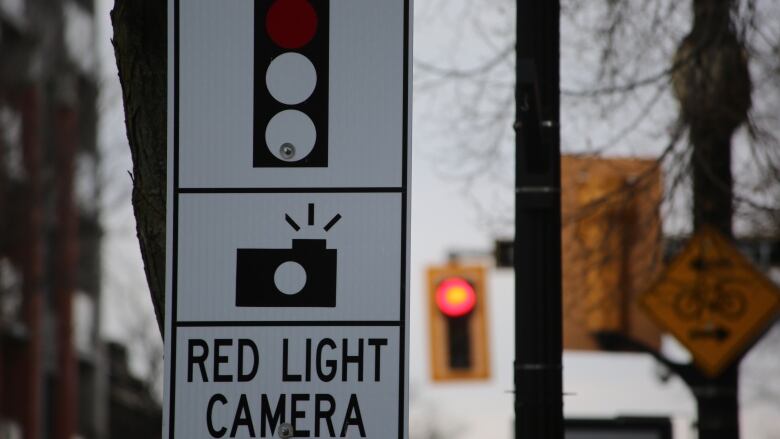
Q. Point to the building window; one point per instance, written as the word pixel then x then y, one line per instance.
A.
pixel 11 152
pixel 10 293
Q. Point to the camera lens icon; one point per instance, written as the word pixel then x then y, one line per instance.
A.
pixel 290 278
pixel 303 276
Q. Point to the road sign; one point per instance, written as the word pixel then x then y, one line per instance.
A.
pixel 712 300
pixel 287 285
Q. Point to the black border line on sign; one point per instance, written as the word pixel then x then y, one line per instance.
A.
pixel 405 224
pixel 177 190
pixel 175 225
pixel 291 190
pixel 270 323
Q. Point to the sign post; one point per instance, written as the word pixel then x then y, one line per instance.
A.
pixel 537 248
pixel 288 218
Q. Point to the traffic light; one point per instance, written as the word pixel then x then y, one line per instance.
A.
pixel 456 298
pixel 291 83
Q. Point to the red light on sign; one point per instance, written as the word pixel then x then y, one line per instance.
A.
pixel 291 24
pixel 455 297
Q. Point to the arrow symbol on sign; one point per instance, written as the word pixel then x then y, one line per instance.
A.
pixel 718 333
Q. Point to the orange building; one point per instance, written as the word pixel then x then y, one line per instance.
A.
pixel 612 247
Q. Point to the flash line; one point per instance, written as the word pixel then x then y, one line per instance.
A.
pixel 332 222
pixel 291 222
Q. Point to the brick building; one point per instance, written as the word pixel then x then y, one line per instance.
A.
pixel 53 369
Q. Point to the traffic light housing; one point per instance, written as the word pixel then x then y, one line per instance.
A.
pixel 291 83
pixel 458 330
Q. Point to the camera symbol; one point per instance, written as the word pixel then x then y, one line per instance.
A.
pixel 301 276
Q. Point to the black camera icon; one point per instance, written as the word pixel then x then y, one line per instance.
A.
pixel 303 276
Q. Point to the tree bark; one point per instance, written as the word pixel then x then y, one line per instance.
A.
pixel 712 179
pixel 713 88
pixel 717 399
pixel 140 46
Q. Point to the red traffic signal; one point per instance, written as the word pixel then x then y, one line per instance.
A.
pixel 458 322
pixel 455 297
pixel 291 24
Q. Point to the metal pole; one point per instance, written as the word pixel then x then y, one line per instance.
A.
pixel 538 334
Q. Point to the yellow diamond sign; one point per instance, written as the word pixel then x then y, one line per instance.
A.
pixel 712 300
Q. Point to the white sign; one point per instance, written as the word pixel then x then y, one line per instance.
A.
pixel 366 87
pixel 327 381
pixel 287 270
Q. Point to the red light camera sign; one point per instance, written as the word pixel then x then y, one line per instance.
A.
pixel 288 218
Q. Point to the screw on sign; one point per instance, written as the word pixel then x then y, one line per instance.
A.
pixel 291 83
pixel 286 431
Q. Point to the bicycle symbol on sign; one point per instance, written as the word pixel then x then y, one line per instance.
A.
pixel 722 298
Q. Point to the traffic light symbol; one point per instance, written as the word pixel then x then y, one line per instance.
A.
pixel 457 323
pixel 291 83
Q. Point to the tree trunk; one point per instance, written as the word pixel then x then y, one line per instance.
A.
pixel 717 399
pixel 140 46
pixel 712 84
pixel 717 402
pixel 712 179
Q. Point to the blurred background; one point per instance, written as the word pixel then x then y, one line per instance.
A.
pixel 80 352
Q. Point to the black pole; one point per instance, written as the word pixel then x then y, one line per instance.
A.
pixel 538 339
pixel 717 404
